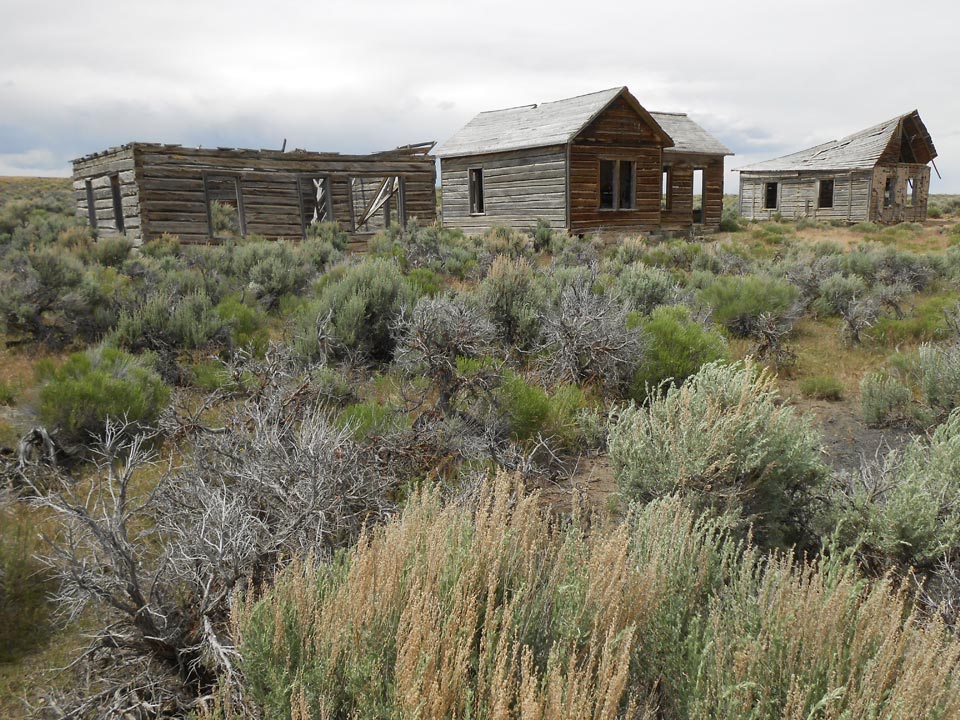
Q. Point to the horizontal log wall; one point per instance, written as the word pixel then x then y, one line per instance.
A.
pixel 798 196
pixel 98 171
pixel 901 210
pixel 518 188
pixel 679 215
pixel 167 184
pixel 618 133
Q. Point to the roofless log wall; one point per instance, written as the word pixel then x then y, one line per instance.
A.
pixel 201 195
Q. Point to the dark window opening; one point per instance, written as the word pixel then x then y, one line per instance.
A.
pixel 628 184
pixel 666 196
pixel 91 204
pixel 698 196
pixel 825 195
pixel 618 186
pixel 316 201
pixel 224 206
pixel 373 201
pixel 608 171
pixel 770 196
pixel 888 191
pixel 117 203
pixel 476 191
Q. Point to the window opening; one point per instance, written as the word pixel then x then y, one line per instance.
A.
pixel 91 204
pixel 617 184
pixel 224 206
pixel 475 181
pixel 666 194
pixel 825 195
pixel 117 203
pixel 316 201
pixel 373 201
pixel 888 188
pixel 698 195
pixel 910 192
pixel 770 196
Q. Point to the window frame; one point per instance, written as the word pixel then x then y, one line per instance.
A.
pixel 776 195
pixel 833 193
pixel 301 186
pixel 666 189
pixel 617 189
pixel 91 203
pixel 476 201
pixel 238 191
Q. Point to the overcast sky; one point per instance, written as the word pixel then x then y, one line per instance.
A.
pixel 765 77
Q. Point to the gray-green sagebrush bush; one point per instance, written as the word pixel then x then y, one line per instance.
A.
pixel 513 296
pixel 646 287
pixel 355 313
pixel 170 323
pixel 738 301
pixel 904 507
pixel 725 443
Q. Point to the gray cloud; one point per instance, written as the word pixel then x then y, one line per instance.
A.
pixel 366 75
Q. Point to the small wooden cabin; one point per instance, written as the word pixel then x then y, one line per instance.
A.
pixel 880 175
pixel 144 190
pixel 593 163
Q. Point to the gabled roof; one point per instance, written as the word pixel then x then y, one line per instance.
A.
pixel 531 126
pixel 688 137
pixel 860 151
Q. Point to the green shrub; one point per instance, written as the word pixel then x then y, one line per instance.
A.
pixel 100 384
pixel 425 281
pixel 167 323
pixel 270 269
pixel 358 308
pixel 725 442
pixel 884 400
pixel 738 301
pixel 111 251
pixel 370 419
pixel 330 233
pixel 8 396
pixel 513 300
pixel 822 387
pixel 331 386
pixel 542 235
pixel 248 325
pixel 525 406
pixel 677 347
pixel 936 371
pixel 503 240
pixel 212 375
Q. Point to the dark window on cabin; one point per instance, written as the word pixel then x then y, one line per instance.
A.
pixel 117 203
pixel 476 191
pixel 618 188
pixel 888 190
pixel 697 184
pixel 825 196
pixel 910 192
pixel 608 172
pixel 770 196
pixel 91 204
pixel 666 196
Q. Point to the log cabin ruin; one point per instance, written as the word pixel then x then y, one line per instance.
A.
pixel 202 195
pixel 879 175
pixel 595 163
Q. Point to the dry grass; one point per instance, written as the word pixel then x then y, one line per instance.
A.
pixel 504 613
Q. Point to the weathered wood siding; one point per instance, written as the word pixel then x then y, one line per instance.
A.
pixel 901 210
pixel 518 188
pixel 618 133
pixel 98 170
pixel 679 214
pixel 168 185
pixel 798 196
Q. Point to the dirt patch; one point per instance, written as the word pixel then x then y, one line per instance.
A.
pixel 590 485
pixel 846 439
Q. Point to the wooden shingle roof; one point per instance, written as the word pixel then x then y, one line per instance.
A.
pixel 860 151
pixel 531 126
pixel 688 136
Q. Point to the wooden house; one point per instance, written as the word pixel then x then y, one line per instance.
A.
pixel 593 163
pixel 144 190
pixel 880 175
